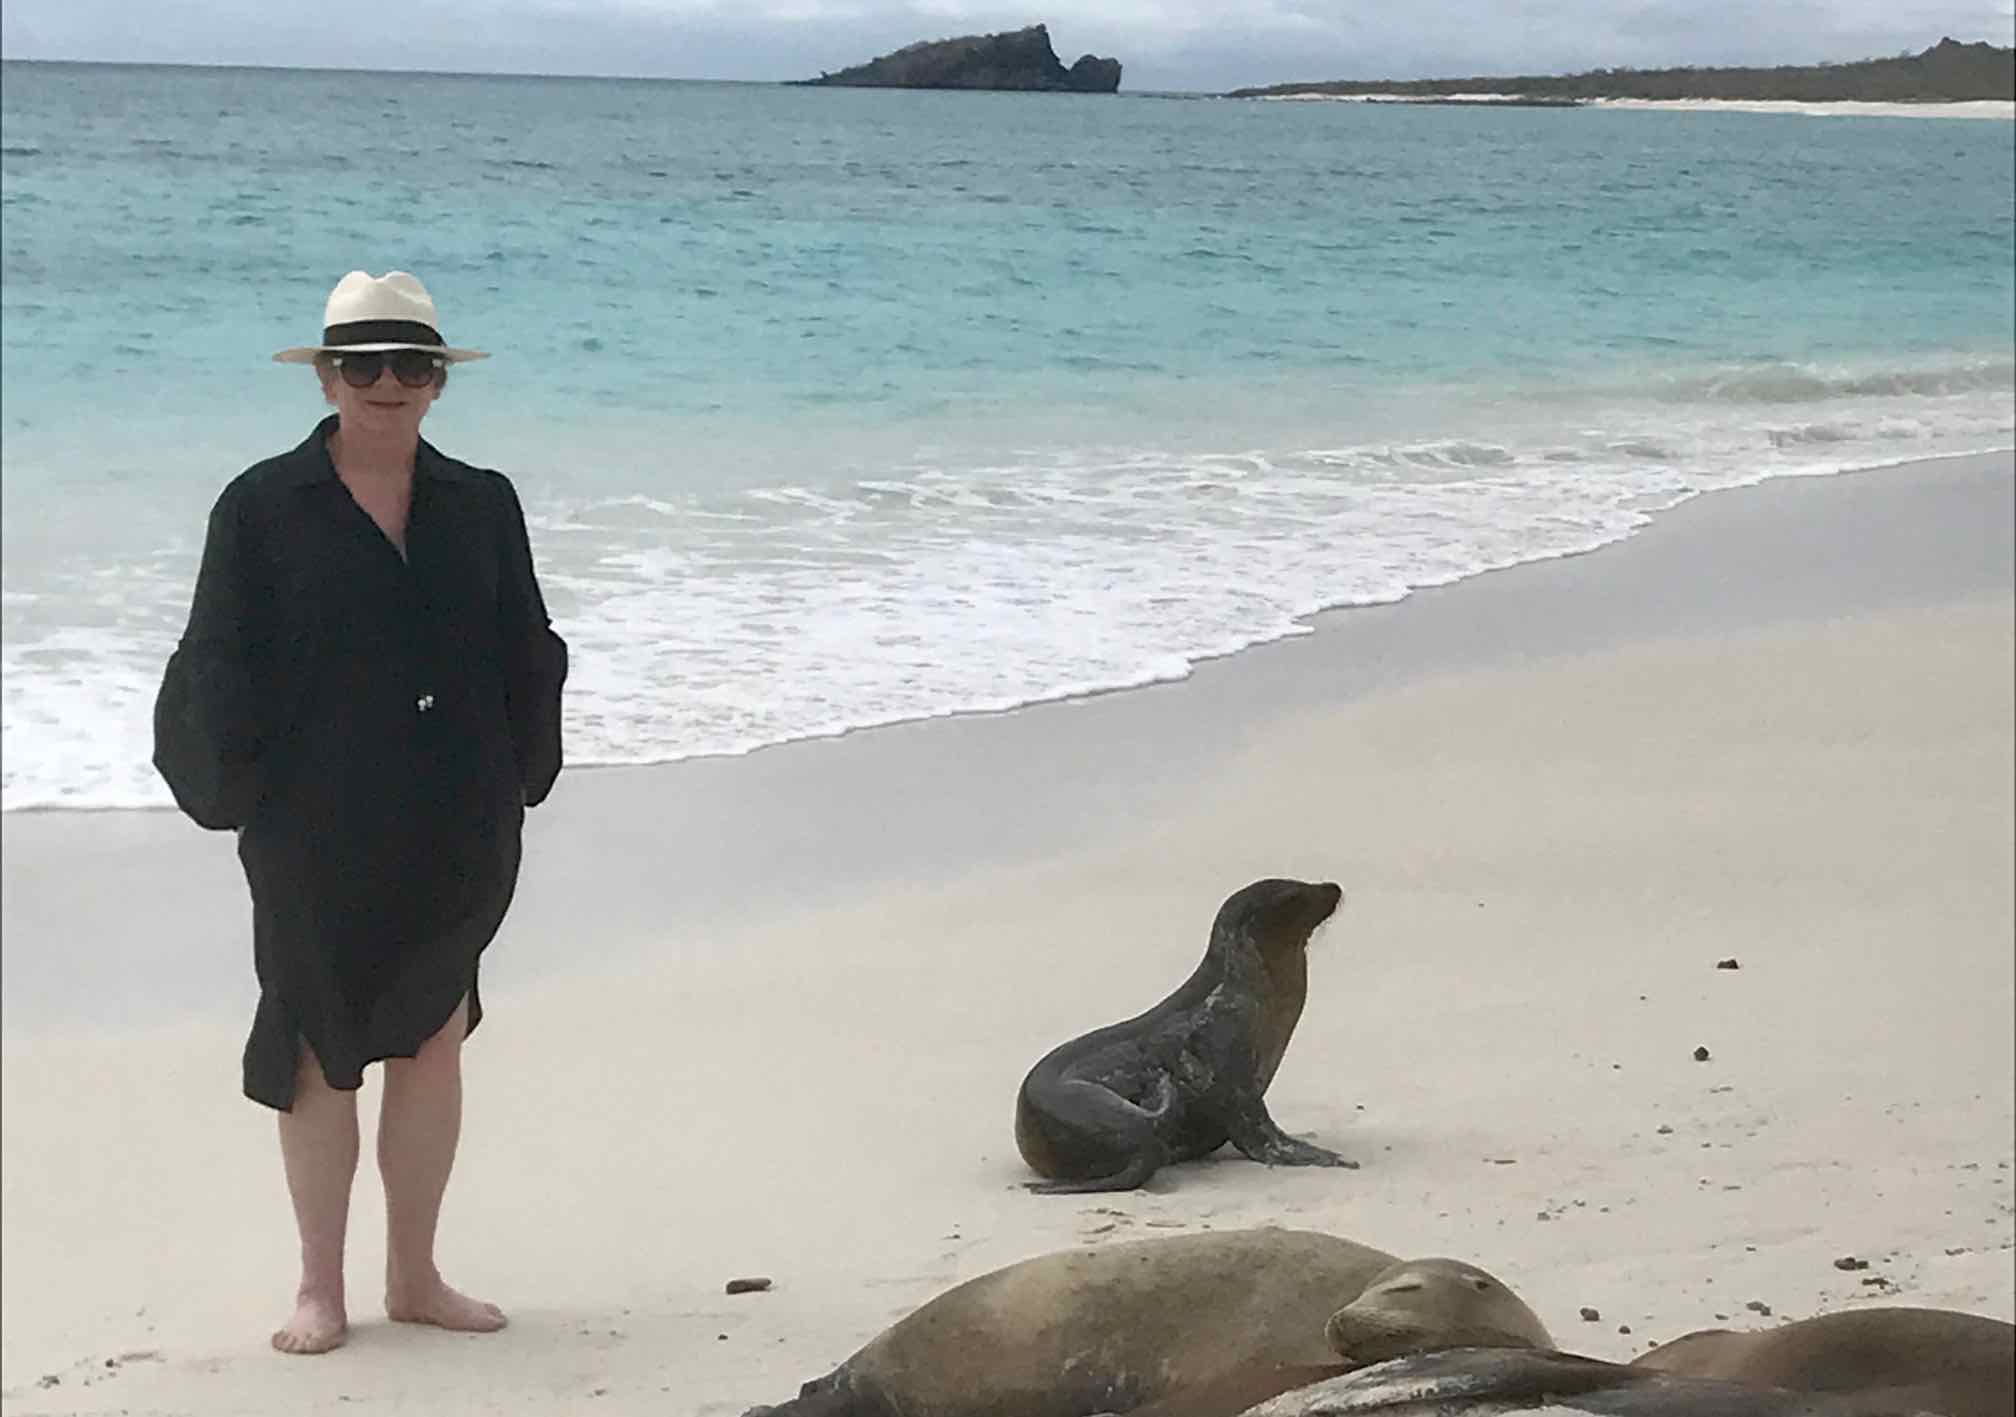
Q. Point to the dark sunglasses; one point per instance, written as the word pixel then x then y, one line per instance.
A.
pixel 415 368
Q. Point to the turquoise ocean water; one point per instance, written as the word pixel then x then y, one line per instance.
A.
pixel 839 407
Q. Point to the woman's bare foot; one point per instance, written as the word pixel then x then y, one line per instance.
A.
pixel 433 1302
pixel 319 1324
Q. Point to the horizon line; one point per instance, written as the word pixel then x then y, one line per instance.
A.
pixel 681 79
pixel 474 73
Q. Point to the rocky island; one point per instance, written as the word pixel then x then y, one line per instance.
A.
pixel 1948 72
pixel 1020 60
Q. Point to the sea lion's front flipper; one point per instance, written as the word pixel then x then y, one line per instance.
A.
pixel 1253 1130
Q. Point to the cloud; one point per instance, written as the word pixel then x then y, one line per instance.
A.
pixel 1164 44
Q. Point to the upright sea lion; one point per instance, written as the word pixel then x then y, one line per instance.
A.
pixel 1417 1306
pixel 1959 1365
pixel 1490 1382
pixel 1102 1330
pixel 1103 1111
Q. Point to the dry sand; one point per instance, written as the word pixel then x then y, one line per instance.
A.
pixel 767 1017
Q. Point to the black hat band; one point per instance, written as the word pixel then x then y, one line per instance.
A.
pixel 382 332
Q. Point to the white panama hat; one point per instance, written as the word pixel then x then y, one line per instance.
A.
pixel 369 314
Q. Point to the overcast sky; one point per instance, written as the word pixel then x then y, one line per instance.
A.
pixel 1163 44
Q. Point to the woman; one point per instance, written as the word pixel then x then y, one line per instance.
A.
pixel 368 692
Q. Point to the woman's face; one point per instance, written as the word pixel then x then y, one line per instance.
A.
pixel 385 408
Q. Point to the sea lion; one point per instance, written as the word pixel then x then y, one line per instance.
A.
pixel 1422 1305
pixel 1105 1110
pixel 1959 1365
pixel 1102 1330
pixel 1416 1306
pixel 1490 1382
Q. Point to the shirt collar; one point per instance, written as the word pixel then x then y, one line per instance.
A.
pixel 309 463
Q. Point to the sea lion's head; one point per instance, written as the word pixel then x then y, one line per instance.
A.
pixel 1277 916
pixel 1419 1306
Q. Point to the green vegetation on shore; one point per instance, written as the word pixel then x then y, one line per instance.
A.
pixel 1949 72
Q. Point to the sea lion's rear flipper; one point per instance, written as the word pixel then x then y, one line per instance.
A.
pixel 825 1404
pixel 1084 1136
pixel 1131 1177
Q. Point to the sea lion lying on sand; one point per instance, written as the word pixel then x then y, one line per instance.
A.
pixel 1456 1324
pixel 1105 1110
pixel 1488 1382
pixel 1416 1306
pixel 1102 1330
pixel 1422 1305
pixel 1959 1365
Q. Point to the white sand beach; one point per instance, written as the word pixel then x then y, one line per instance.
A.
pixel 2002 109
pixel 767 1016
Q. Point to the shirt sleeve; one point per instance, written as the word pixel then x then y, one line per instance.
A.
pixel 535 661
pixel 207 730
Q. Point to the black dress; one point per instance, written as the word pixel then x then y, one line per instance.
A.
pixel 373 727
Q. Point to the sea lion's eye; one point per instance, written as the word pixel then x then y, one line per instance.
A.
pixel 1483 1285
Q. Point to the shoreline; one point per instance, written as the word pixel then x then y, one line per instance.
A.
pixel 766 1015
pixel 2003 110
pixel 1105 751
pixel 1305 623
pixel 1998 109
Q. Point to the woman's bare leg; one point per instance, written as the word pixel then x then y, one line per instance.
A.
pixel 418 1126
pixel 318 1145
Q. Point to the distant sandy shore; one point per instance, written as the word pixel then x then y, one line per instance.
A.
pixel 767 1016
pixel 1845 108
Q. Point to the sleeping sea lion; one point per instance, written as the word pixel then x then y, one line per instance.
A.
pixel 1102 1330
pixel 1959 1365
pixel 1417 1306
pixel 1103 1111
pixel 1423 1305
pixel 1490 1382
